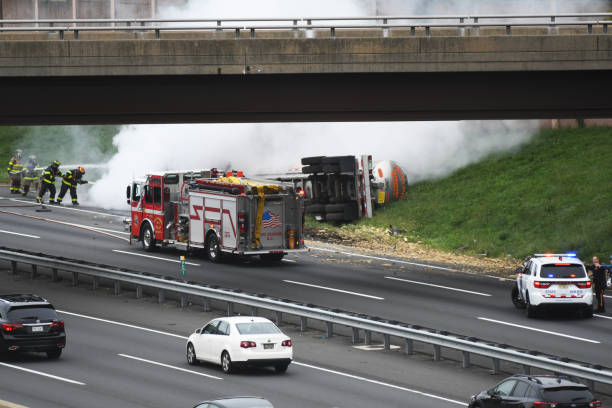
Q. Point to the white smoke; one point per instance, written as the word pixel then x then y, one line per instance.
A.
pixel 426 149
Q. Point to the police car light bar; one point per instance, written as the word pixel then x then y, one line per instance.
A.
pixel 550 255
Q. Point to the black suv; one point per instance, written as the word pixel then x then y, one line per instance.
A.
pixel 525 391
pixel 30 323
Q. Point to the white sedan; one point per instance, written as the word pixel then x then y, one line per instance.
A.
pixel 240 341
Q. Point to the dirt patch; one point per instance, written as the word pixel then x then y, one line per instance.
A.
pixel 381 241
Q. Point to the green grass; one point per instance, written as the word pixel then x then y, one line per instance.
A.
pixel 555 194
pixel 69 144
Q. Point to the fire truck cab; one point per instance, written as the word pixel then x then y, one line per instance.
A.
pixel 220 213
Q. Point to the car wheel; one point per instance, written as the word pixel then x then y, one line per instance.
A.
pixel 212 248
pixel 588 312
pixel 53 354
pixel 191 355
pixel 531 310
pixel 516 298
pixel 148 238
pixel 226 363
pixel 281 368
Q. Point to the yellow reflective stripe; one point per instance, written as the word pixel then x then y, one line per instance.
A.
pixel 67 183
pixel 47 181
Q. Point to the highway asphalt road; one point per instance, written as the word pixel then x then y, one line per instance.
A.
pixel 458 302
pixel 124 352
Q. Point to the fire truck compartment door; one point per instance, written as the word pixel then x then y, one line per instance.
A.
pixel 229 224
pixel 272 225
pixel 196 215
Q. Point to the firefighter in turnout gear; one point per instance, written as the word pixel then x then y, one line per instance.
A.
pixel 71 179
pixel 15 167
pixel 47 182
pixel 30 175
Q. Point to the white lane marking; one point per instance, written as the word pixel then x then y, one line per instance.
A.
pixel 289 260
pixel 122 324
pixel 437 286
pixel 605 317
pixel 169 366
pixel 7 404
pixel 21 235
pixel 55 377
pixel 383 259
pixel 539 330
pixel 294 362
pixel 70 208
pixel 334 289
pixel 110 230
pixel 154 257
pixel 397 387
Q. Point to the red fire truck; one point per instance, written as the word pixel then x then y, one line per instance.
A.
pixel 219 213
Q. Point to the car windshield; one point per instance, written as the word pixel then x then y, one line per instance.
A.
pixel 32 314
pixel 568 271
pixel 257 328
pixel 568 394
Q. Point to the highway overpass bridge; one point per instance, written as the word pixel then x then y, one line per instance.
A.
pixel 154 71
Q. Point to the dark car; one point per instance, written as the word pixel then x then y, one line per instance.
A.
pixel 530 391
pixel 30 323
pixel 236 402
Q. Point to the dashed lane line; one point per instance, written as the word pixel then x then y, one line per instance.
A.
pixel 71 208
pixel 55 377
pixel 170 366
pixel 154 257
pixel 20 234
pixel 437 286
pixel 540 330
pixel 334 289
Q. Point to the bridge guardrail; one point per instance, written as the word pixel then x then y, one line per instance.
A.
pixel 369 324
pixel 384 23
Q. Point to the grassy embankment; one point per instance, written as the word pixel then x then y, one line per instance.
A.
pixel 554 194
pixel 74 144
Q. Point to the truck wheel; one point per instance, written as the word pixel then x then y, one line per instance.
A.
pixel 315 168
pixel 314 208
pixel 312 160
pixel 334 216
pixel 330 208
pixel 516 298
pixel 148 238
pixel 212 248
pixel 271 257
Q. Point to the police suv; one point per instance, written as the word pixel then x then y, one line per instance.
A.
pixel 553 281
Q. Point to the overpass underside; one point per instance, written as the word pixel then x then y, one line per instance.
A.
pixel 183 77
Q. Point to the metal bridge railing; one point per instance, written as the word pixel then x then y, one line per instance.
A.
pixel 369 324
pixel 384 23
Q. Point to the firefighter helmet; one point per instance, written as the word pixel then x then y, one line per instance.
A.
pixel 81 170
pixel 18 153
pixel 56 163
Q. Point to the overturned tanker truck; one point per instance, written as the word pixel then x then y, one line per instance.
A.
pixel 221 213
pixel 346 188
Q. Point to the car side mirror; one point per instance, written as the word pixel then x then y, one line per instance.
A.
pixel 198 331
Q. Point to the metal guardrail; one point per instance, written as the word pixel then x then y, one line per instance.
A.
pixel 369 324
pixel 384 23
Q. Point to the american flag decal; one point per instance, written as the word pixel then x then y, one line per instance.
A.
pixel 270 220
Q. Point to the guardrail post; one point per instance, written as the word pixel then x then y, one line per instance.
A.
pixel 508 30
pixel 61 34
pixel 332 32
pixel 279 318
pixel 437 355
pixel 367 337
pixel 330 329
pixel 465 363
pixel 218 25
pixel 475 27
pixel 295 29
pixel 427 31
pixel 138 292
pixel 54 275
pixel 183 301
pixel 206 305
pixel 254 311
pixel 605 28
pixel 386 29
pixel 409 347
pixel 14 267
pixel 230 309
pixel 75 278
pixel 34 272
pixel 412 31
pixel 355 336
pixel 303 323
pixel 95 282
pixel 161 296
pixel 117 287
pixel 495 368
pixel 526 369
pixel 157 34
pixel 462 29
pixel 76 34
pixel 387 341
pixel 591 384
pixel 590 28
pixel 237 33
